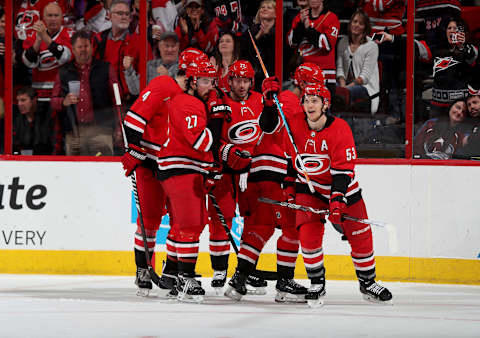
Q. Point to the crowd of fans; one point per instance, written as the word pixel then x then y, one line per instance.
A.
pixel 69 53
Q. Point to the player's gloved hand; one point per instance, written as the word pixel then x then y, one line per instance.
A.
pixel 213 176
pixel 337 208
pixel 235 158
pixel 270 86
pixel 216 106
pixel 132 159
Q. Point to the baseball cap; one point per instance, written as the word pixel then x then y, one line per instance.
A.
pixel 169 35
pixel 198 2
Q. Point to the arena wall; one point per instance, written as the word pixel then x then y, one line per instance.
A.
pixel 79 218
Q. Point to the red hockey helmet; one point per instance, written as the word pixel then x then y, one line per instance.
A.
pixel 318 90
pixel 189 56
pixel 202 69
pixel 309 73
pixel 241 68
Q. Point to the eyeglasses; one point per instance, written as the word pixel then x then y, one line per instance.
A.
pixel 120 13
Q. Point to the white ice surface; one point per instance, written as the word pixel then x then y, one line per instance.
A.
pixel 99 306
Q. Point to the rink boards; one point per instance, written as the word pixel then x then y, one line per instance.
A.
pixel 79 218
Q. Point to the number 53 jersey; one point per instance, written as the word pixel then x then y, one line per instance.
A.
pixel 325 153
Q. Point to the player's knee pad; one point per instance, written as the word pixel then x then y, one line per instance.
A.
pixel 311 235
pixel 258 235
pixel 217 231
pixel 359 236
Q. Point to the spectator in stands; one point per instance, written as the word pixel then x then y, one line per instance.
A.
pixel 165 64
pixel 263 30
pixel 435 15
pixel 314 33
pixel 195 28
pixel 32 125
pixel 94 18
pixel 472 140
pixel 86 112
pixel 225 54
pixel 385 15
pixel 164 13
pixel 440 138
pixel 117 42
pixel 46 50
pixel 357 63
pixel 453 62
pixel 228 15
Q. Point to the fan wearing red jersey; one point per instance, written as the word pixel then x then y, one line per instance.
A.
pixel 327 148
pixel 183 162
pixel 267 179
pixel 146 130
pixel 314 33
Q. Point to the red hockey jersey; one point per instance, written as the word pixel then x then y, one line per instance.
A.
pixel 385 15
pixel 149 114
pixel 45 63
pixel 187 148
pixel 330 151
pixel 317 43
pixel 269 161
pixel 243 129
pixel 423 6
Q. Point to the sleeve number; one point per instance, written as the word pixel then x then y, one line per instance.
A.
pixel 334 32
pixel 191 121
pixel 351 154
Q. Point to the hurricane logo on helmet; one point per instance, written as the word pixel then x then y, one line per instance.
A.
pixel 244 132
pixel 241 68
pixel 315 164
pixel 191 56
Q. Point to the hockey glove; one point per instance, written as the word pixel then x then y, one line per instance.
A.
pixel 216 106
pixel 213 176
pixel 132 159
pixel 234 158
pixel 270 86
pixel 337 208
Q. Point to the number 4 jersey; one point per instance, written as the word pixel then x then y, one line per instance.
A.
pixel 325 153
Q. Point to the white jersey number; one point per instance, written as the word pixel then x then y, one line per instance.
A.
pixel 351 155
pixel 191 121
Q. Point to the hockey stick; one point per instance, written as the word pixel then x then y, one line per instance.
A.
pixel 287 128
pixel 390 228
pixel 153 275
pixel 267 275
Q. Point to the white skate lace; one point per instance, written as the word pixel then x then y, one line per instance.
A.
pixel 375 288
pixel 144 275
pixel 190 283
pixel 219 275
pixel 315 287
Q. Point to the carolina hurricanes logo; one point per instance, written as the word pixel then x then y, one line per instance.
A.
pixel 307 49
pixel 244 132
pixel 441 64
pixel 47 60
pixel 315 164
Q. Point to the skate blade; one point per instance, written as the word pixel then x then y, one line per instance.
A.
pixel 284 297
pixel 167 293
pixel 218 290
pixel 315 303
pixel 374 300
pixel 261 291
pixel 184 298
pixel 233 294
pixel 142 292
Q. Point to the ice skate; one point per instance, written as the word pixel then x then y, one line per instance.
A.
pixel 314 295
pixel 256 285
pixel 375 293
pixel 218 281
pixel 290 291
pixel 189 290
pixel 143 282
pixel 236 287
pixel 167 285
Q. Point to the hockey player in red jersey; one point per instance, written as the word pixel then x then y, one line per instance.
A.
pixel 327 148
pixel 183 162
pixel 239 136
pixel 146 130
pixel 267 179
